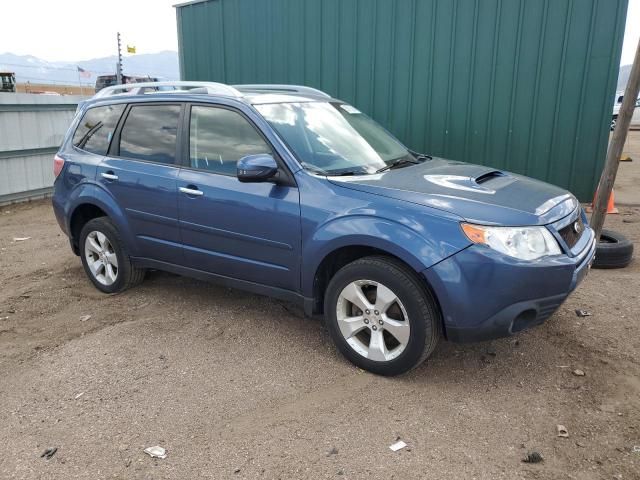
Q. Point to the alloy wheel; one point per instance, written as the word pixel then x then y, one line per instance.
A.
pixel 101 258
pixel 373 320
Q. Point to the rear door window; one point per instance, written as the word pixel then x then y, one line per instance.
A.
pixel 149 133
pixel 96 128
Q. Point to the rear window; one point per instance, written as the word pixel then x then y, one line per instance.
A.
pixel 96 128
pixel 149 133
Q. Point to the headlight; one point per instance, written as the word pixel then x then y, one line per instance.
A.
pixel 525 243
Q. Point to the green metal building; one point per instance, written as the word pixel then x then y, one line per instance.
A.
pixel 523 85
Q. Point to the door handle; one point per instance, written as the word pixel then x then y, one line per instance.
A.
pixel 192 191
pixel 109 176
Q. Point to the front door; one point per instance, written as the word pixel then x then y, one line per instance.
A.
pixel 141 173
pixel 246 231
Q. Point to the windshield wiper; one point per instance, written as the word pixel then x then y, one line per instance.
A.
pixel 314 169
pixel 320 171
pixel 342 174
pixel 421 156
pixel 397 163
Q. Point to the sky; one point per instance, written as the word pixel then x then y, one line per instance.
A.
pixel 631 33
pixel 72 30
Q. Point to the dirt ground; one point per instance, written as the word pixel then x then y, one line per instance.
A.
pixel 240 386
pixel 84 89
pixel 627 190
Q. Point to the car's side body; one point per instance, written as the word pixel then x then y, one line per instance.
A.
pixel 285 239
pixel 312 227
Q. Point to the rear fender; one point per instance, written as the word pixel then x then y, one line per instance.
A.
pixel 93 194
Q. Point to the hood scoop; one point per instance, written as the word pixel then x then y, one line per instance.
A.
pixel 472 184
pixel 485 177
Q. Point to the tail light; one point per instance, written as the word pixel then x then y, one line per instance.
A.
pixel 58 163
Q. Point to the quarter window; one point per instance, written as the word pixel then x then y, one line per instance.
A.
pixel 149 133
pixel 219 138
pixel 96 128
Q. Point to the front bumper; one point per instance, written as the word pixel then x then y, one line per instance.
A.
pixel 485 295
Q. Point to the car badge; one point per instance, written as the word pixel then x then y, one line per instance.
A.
pixel 577 227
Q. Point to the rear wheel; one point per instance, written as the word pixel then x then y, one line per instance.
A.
pixel 105 259
pixel 614 120
pixel 380 316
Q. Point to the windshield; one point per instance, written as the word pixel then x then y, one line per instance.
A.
pixel 334 138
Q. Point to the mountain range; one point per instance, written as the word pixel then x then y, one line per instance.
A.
pixel 162 65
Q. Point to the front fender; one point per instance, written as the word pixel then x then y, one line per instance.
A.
pixel 418 250
pixel 93 194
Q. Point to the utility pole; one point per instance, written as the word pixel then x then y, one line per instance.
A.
pixel 80 82
pixel 616 145
pixel 119 64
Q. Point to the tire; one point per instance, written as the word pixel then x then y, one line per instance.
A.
pixel 409 326
pixel 613 250
pixel 614 120
pixel 104 236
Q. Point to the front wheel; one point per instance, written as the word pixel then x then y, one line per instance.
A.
pixel 380 316
pixel 614 120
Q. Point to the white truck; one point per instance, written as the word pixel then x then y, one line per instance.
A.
pixel 635 120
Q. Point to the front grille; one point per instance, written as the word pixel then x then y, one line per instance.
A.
pixel 572 232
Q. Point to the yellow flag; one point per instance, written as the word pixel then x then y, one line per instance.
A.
pixel 131 49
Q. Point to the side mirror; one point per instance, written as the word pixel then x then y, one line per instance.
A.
pixel 257 168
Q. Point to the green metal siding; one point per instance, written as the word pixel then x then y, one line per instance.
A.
pixel 523 85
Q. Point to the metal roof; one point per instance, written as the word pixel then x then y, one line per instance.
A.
pixel 192 2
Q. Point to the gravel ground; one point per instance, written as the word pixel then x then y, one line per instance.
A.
pixel 628 178
pixel 240 386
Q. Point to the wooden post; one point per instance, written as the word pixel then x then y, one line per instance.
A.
pixel 608 177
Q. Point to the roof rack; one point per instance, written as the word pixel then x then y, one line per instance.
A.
pixel 210 88
pixel 295 89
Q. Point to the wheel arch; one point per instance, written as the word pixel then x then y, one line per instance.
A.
pixel 82 214
pixel 354 236
pixel 337 258
pixel 92 202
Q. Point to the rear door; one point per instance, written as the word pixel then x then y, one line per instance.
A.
pixel 141 171
pixel 246 231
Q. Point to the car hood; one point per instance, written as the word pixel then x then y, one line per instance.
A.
pixel 476 193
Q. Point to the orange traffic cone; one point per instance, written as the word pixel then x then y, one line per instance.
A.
pixel 611 208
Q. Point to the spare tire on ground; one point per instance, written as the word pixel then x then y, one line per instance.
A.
pixel 613 250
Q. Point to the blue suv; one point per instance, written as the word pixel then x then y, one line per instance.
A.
pixel 284 191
